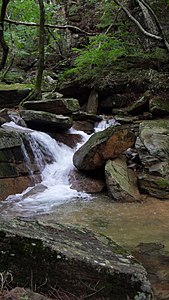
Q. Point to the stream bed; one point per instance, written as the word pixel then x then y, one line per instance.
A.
pixel 126 223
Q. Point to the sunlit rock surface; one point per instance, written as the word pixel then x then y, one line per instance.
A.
pixel 70 258
pixel 63 106
pixel 121 181
pixel 102 146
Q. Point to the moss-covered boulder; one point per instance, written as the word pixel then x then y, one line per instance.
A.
pixel 45 121
pixel 63 106
pixel 56 257
pixel 155 186
pixel 102 146
pixel 121 181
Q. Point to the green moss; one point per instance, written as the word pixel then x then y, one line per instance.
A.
pixel 16 86
pixel 163 183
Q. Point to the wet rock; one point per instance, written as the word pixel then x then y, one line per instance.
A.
pixel 121 182
pixel 19 167
pixel 44 121
pixel 58 106
pixel 16 185
pixel 84 116
pixel 102 146
pixel 69 139
pixel 79 259
pixel 83 126
pixel 159 106
pixel 83 183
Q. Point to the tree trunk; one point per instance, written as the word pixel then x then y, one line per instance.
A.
pixel 5 48
pixel 36 93
pixel 41 47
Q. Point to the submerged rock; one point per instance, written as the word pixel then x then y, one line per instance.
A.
pixel 102 146
pixel 58 106
pixel 121 182
pixel 44 121
pixel 70 258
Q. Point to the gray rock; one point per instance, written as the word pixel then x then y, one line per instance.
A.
pixel 154 135
pixel 155 186
pixel 121 182
pixel 79 260
pixel 92 103
pixel 102 146
pixel 141 105
pixel 12 95
pixel 63 106
pixel 44 121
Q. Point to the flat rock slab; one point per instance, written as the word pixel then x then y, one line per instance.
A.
pixel 44 121
pixel 11 95
pixel 70 258
pixel 63 106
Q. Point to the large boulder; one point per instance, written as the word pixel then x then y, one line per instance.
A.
pixel 102 146
pixel 153 148
pixel 58 106
pixel 154 134
pixel 19 165
pixel 121 182
pixel 44 121
pixel 71 259
pixel 11 95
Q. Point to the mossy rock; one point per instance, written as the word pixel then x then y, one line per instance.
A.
pixel 69 258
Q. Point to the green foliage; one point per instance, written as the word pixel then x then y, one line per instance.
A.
pixel 98 56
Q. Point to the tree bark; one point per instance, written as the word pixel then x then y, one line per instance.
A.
pixel 5 48
pixel 41 47
pixel 36 93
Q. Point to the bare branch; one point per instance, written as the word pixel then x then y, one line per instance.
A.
pixel 146 33
pixel 166 44
pixel 70 27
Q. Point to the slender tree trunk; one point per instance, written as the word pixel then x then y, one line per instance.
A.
pixel 5 48
pixel 36 93
pixel 41 47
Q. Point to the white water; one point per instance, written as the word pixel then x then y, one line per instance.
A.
pixel 55 188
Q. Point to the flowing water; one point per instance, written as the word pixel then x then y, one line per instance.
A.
pixel 53 200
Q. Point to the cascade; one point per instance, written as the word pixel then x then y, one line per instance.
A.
pixel 55 161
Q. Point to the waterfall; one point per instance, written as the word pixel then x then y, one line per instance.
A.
pixel 54 188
